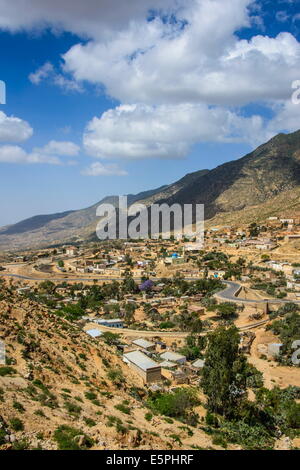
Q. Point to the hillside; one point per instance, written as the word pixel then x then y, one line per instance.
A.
pixel 252 182
pixel 63 389
pixel 264 182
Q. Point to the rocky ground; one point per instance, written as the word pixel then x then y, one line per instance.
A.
pixel 58 376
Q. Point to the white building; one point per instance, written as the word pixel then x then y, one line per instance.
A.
pixel 173 357
pixel 113 323
pixel 144 344
pixel 149 370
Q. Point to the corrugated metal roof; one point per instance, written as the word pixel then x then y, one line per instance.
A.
pixel 141 360
pixel 172 356
pixel 168 364
pixel 198 363
pixel 94 332
pixel 143 343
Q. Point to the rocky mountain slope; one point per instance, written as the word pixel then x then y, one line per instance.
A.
pixel 264 182
pixel 252 181
pixel 62 389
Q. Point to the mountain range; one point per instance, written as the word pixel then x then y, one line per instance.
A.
pixel 264 182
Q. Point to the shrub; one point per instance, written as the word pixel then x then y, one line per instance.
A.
pixel 16 424
pixel 89 422
pixel 148 416
pixel 116 376
pixel 173 404
pixel 123 408
pixel 73 408
pixel 6 370
pixel 40 413
pixel 90 395
pixel 166 325
pixel 18 406
pixel 67 438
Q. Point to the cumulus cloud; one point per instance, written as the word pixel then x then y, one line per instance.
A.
pixel 49 154
pixel 202 60
pixel 187 52
pixel 15 154
pixel 47 72
pixel 55 147
pixel 166 131
pixel 14 129
pixel 97 18
pixel 181 68
pixel 98 169
pixel 286 117
pixel 41 73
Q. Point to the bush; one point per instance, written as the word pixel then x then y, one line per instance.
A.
pixel 116 376
pixel 7 371
pixel 16 424
pixel 166 325
pixel 90 395
pixel 18 406
pixel 72 408
pixel 2 436
pixel 249 437
pixel 148 416
pixel 174 404
pixel 67 438
pixel 123 408
pixel 89 422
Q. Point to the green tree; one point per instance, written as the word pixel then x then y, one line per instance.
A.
pixel 224 372
pixel 226 310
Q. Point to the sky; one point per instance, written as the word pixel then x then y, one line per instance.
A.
pixel 107 97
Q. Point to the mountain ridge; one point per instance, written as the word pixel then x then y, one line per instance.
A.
pixel 252 181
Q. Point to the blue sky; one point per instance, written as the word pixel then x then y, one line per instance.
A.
pixel 104 100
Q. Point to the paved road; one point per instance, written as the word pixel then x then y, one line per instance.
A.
pixel 228 294
pixel 79 279
pixel 161 333
pixel 231 291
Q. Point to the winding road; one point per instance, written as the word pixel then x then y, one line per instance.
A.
pixel 228 294
pixel 232 290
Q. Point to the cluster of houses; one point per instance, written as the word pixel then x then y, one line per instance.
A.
pixel 153 362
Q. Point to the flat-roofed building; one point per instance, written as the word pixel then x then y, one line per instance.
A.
pixel 198 364
pixel 112 323
pixel 173 357
pixel 94 333
pixel 169 365
pixel 149 370
pixel 144 344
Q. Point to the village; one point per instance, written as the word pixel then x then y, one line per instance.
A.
pixel 156 300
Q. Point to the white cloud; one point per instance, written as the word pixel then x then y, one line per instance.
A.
pixel 180 78
pixel 15 154
pixel 282 16
pixel 41 73
pixel 47 72
pixel 95 18
pixel 166 131
pixel 286 118
pixel 98 169
pixel 13 129
pixel 49 154
pixel 55 147
pixel 158 62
